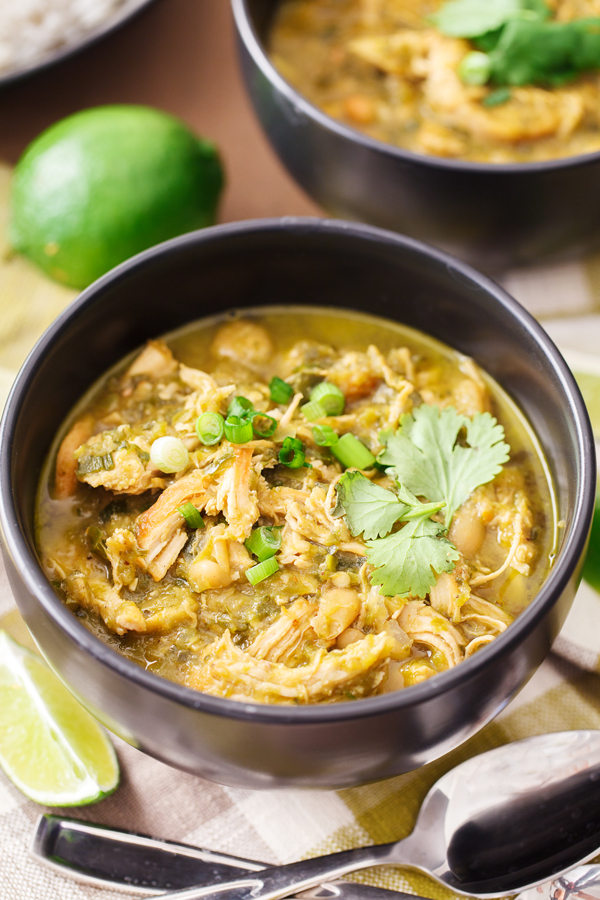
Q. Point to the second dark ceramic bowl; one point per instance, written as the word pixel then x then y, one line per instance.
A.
pixel 292 262
pixel 493 216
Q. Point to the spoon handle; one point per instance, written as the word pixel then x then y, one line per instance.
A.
pixel 123 860
pixel 281 881
pixel 107 857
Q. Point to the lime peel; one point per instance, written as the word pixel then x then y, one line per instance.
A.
pixel 52 749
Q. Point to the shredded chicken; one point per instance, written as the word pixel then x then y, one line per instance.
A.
pixel 449 594
pixel 130 471
pixel 155 361
pixel 160 530
pixel 309 520
pixel 65 481
pixel 284 640
pixel 425 625
pixel 99 597
pixel 230 672
pixel 208 396
pixel 244 342
pixel 237 496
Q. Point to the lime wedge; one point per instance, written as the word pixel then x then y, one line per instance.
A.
pixel 50 747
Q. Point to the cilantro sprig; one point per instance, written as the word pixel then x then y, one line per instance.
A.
pixel 436 454
pixel 519 43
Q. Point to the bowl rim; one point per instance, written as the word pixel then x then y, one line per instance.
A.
pixel 129 10
pixel 255 47
pixel 28 567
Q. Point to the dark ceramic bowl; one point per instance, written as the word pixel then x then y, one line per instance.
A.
pixel 128 10
pixel 493 216
pixel 292 261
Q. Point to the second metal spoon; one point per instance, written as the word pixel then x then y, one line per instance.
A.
pixel 497 824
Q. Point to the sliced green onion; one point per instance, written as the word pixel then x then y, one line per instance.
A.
pixel 352 453
pixel 324 435
pixel 297 461
pixel 264 542
pixel 169 454
pixel 292 454
pixel 475 68
pixel 263 570
pixel 210 428
pixel 281 391
pixel 292 443
pixel 238 430
pixel 330 397
pixel 191 515
pixel 313 410
pixel 264 426
pixel 240 406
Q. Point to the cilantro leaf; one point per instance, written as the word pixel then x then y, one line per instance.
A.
pixel 477 18
pixel 407 561
pixel 368 508
pixel 471 18
pixel 537 52
pixel 425 457
pixel 372 510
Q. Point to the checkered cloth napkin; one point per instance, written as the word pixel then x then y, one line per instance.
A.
pixel 279 827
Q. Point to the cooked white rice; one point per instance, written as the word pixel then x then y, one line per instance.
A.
pixel 31 29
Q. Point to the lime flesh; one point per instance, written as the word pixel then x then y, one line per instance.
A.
pixel 50 747
pixel 106 183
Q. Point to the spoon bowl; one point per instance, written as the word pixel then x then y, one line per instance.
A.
pixel 513 817
pixel 497 824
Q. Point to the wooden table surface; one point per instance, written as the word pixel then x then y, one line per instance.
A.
pixel 180 56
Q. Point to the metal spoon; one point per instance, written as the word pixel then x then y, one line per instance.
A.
pixel 497 824
pixel 137 863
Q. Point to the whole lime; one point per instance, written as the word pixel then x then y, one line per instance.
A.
pixel 104 184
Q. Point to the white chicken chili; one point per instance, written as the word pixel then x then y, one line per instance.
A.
pixel 304 507
pixel 493 82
